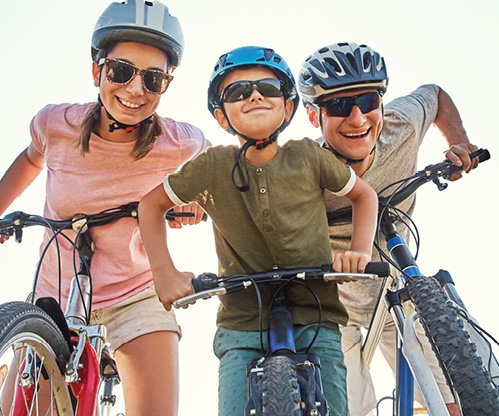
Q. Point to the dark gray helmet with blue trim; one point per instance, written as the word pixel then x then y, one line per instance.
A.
pixel 147 22
pixel 341 67
pixel 247 57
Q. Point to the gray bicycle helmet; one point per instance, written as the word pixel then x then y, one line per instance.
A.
pixel 147 22
pixel 341 67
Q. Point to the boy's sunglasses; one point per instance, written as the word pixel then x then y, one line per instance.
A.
pixel 240 90
pixel 121 73
pixel 342 106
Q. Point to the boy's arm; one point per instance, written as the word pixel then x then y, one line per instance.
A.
pixel 170 283
pixel 365 211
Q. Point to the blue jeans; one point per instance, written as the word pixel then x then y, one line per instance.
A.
pixel 235 349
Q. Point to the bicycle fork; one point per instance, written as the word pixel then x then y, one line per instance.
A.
pixel 410 353
pixel 282 343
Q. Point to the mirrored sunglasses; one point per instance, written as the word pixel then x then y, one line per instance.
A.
pixel 342 106
pixel 240 90
pixel 121 73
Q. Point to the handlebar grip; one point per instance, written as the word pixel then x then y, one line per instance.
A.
pixel 205 281
pixel 171 215
pixel 482 154
pixel 381 268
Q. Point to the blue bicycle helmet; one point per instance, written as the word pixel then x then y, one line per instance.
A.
pixel 250 56
pixel 243 58
pixel 147 22
pixel 341 67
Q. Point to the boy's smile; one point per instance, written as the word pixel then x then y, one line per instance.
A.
pixel 257 116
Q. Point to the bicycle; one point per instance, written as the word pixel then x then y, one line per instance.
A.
pixel 283 382
pixel 38 341
pixel 465 356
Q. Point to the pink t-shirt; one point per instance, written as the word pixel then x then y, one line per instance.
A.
pixel 105 177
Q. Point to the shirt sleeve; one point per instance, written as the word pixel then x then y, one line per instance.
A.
pixel 191 182
pixel 349 185
pixel 335 176
pixel 38 129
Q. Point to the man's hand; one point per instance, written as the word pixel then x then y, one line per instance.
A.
pixel 459 155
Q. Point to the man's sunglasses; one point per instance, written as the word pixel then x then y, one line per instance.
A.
pixel 342 106
pixel 240 90
pixel 121 73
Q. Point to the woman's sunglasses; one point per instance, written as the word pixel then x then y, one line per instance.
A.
pixel 342 106
pixel 121 73
pixel 240 90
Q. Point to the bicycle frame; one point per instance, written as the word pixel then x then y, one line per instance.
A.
pixel 411 364
pixel 90 361
pixel 280 332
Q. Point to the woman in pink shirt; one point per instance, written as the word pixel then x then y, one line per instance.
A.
pixel 108 153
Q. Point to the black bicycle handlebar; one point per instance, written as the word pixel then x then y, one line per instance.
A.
pixel 429 173
pixel 14 222
pixel 207 285
pixel 432 173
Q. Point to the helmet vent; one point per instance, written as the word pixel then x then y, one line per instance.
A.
pixel 334 64
pixel 148 3
pixel 366 61
pixel 269 53
pixel 352 61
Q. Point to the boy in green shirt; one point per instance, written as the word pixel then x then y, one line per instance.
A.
pixel 267 206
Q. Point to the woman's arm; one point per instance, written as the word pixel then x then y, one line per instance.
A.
pixel 23 171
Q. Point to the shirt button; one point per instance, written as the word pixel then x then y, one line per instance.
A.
pixel 265 213
pixel 263 190
pixel 259 170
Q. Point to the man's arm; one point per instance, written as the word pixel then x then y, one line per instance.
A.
pixel 449 122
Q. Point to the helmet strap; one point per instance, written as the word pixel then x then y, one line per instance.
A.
pixel 239 165
pixel 349 161
pixel 117 125
pixel 259 145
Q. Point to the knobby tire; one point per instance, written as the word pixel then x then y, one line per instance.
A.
pixel 463 367
pixel 280 395
pixel 25 325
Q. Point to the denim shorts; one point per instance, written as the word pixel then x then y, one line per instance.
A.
pixel 235 349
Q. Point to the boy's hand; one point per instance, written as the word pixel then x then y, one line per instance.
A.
pixel 350 262
pixel 173 286
pixel 179 221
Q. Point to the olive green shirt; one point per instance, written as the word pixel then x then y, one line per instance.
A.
pixel 280 222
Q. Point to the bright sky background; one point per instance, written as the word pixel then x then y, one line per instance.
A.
pixel 45 49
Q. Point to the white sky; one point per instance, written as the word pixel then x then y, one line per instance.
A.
pixel 45 50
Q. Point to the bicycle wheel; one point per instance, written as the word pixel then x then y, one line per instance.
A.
pixel 32 356
pixel 457 355
pixel 280 396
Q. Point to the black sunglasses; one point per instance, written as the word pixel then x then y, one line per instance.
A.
pixel 342 106
pixel 121 73
pixel 240 90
